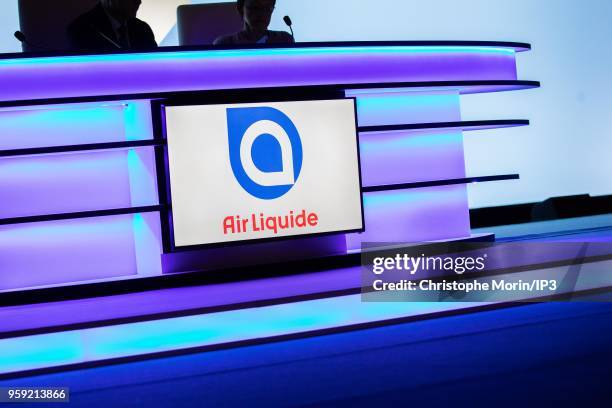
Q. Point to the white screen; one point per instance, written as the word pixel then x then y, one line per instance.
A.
pixel 235 169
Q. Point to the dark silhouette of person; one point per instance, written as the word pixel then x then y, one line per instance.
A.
pixel 256 15
pixel 111 25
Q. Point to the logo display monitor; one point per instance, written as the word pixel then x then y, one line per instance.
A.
pixel 243 172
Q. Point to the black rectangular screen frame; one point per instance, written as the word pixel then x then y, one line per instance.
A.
pixel 218 98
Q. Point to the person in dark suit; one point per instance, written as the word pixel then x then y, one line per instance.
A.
pixel 256 15
pixel 111 25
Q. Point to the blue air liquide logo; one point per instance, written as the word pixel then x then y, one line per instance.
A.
pixel 265 151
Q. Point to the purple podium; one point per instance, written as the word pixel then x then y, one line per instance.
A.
pixel 81 203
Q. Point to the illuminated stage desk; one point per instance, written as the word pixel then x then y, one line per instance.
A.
pixel 82 203
pixel 78 174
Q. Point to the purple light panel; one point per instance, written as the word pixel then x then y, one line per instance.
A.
pixel 401 107
pixel 61 252
pixel 60 77
pixel 142 338
pixel 73 251
pixel 74 124
pixel 76 182
pixel 411 156
pixel 32 316
pixel 415 215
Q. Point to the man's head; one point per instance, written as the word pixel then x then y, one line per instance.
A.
pixel 256 13
pixel 122 9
